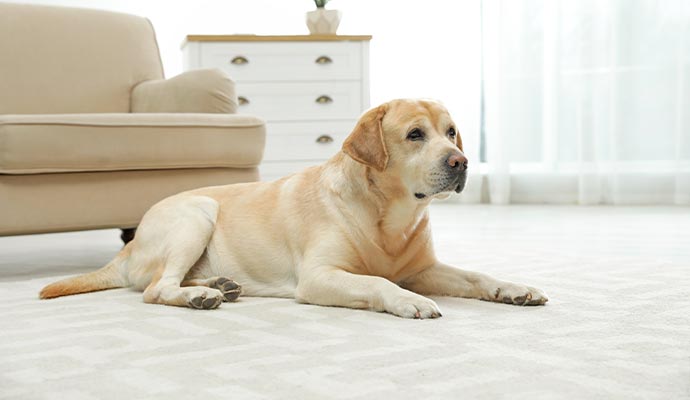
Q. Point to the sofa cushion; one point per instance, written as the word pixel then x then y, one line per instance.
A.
pixel 31 144
pixel 95 200
pixel 195 91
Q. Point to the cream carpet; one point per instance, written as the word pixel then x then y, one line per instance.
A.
pixel 617 325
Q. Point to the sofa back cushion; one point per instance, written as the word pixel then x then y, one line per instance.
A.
pixel 59 60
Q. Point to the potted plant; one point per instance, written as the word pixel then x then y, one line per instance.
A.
pixel 322 21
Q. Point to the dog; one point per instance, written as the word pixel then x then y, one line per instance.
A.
pixel 353 232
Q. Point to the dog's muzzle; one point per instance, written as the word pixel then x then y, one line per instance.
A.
pixel 462 179
pixel 456 165
pixel 451 179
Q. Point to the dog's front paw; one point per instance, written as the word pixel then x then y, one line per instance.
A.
pixel 413 306
pixel 521 295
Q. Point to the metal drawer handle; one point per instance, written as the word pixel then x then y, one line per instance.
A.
pixel 239 60
pixel 324 139
pixel 324 60
pixel 324 99
pixel 243 100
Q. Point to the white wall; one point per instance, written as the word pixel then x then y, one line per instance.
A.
pixel 420 48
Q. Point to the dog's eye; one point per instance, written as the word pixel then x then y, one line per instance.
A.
pixel 451 133
pixel 415 134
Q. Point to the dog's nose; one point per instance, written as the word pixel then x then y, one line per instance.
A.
pixel 457 161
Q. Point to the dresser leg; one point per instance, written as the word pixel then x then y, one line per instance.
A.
pixel 128 234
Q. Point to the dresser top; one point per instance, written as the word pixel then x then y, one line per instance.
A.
pixel 275 38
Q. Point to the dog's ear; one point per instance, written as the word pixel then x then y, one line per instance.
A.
pixel 365 143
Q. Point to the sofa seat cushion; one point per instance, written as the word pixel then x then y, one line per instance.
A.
pixel 45 143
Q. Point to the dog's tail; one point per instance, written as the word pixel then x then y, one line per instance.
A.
pixel 113 275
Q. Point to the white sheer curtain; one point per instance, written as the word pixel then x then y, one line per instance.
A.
pixel 587 101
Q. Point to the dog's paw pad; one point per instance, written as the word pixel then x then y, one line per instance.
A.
pixel 521 299
pixel 203 303
pixel 231 290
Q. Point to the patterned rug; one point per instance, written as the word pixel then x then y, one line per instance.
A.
pixel 617 325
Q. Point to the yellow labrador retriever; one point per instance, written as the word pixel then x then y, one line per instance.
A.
pixel 353 232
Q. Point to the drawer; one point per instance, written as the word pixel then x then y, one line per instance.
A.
pixel 302 141
pixel 276 61
pixel 300 101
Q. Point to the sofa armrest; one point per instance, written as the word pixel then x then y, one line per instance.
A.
pixel 196 91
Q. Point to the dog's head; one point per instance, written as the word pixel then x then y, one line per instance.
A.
pixel 413 143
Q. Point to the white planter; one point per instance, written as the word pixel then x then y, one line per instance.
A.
pixel 323 22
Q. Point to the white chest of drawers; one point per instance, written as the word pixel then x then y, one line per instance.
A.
pixel 309 89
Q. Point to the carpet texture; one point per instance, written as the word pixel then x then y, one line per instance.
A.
pixel 617 325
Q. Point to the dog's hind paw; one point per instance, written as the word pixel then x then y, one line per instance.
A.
pixel 230 289
pixel 203 302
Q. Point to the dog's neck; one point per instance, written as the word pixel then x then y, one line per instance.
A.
pixel 386 208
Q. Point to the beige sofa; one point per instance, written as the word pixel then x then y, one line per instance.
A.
pixel 91 135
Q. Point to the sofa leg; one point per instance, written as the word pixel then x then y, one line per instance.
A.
pixel 128 234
